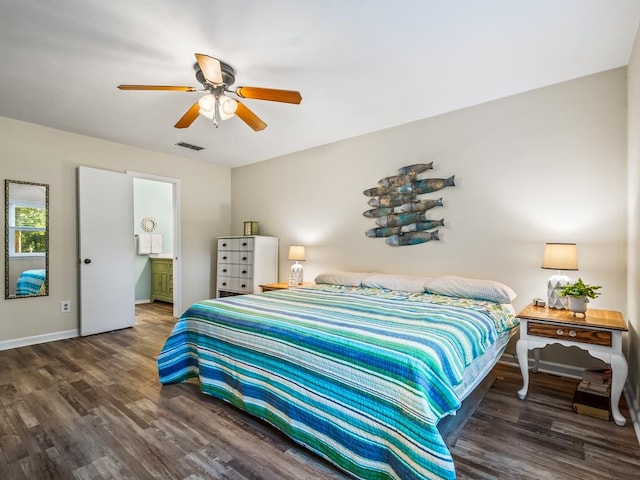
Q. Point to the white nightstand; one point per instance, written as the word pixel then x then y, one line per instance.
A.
pixel 599 332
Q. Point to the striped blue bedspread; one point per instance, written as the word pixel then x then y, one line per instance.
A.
pixel 30 282
pixel 360 376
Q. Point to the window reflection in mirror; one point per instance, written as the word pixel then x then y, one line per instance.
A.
pixel 26 239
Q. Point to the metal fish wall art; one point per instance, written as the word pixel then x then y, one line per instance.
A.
pixel 415 168
pixel 413 206
pixel 400 219
pixel 390 200
pixel 421 226
pixel 400 215
pixel 379 212
pixel 383 232
pixel 418 206
pixel 411 238
pixel 396 180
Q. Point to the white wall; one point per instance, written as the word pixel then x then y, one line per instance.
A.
pixel 547 165
pixel 633 289
pixel 34 153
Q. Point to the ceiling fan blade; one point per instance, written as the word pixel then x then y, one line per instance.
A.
pixel 158 87
pixel 272 94
pixel 188 118
pixel 210 68
pixel 250 118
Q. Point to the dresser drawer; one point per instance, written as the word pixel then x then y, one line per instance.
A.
pixel 570 334
pixel 227 257
pixel 242 244
pixel 235 270
pixel 243 285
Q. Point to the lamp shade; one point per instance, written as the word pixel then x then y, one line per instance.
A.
pixel 296 253
pixel 228 107
pixel 560 256
pixel 207 105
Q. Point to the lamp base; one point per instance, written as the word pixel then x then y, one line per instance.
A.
pixel 297 274
pixel 554 285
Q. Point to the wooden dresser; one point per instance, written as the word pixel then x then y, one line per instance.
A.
pixel 244 263
pixel 162 279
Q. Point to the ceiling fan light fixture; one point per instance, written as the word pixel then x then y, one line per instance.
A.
pixel 207 105
pixel 228 107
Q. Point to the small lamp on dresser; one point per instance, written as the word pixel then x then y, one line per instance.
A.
pixel 296 254
pixel 559 256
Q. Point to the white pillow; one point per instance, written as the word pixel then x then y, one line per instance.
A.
pixel 350 279
pixel 476 288
pixel 407 283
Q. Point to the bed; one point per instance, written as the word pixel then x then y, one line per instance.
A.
pixel 359 368
pixel 31 282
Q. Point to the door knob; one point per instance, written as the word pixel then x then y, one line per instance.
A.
pixel 87 261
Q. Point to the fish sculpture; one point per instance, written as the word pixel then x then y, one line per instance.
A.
pixel 412 206
pixel 392 200
pixel 382 232
pixel 421 226
pixel 416 206
pixel 396 180
pixel 429 185
pixel 400 216
pixel 400 219
pixel 379 212
pixel 415 168
pixel 379 190
pixel 411 238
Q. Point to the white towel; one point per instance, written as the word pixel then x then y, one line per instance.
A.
pixel 156 243
pixel 144 244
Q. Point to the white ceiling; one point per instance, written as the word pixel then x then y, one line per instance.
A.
pixel 361 65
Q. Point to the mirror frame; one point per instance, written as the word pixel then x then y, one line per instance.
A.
pixel 7 184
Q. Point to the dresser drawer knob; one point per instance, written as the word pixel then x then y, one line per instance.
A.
pixel 572 333
pixel 224 244
pixel 224 270
pixel 244 286
pixel 244 259
pixel 559 332
pixel 244 244
pixel 244 271
pixel 224 258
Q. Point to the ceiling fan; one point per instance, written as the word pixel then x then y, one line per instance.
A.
pixel 216 78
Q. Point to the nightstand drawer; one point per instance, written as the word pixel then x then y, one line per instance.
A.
pixel 569 333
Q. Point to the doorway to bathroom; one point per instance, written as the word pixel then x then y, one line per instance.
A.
pixel 157 239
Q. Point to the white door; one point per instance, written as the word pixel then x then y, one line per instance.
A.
pixel 106 247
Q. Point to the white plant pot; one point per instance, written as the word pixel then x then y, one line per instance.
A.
pixel 578 304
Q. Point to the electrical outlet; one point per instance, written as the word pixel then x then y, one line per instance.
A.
pixel 65 306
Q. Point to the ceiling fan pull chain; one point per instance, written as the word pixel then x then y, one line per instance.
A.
pixel 216 113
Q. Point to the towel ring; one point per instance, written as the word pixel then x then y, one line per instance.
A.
pixel 149 224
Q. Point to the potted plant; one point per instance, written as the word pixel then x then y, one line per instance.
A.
pixel 579 294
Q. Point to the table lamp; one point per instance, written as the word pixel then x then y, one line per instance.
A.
pixel 296 253
pixel 559 256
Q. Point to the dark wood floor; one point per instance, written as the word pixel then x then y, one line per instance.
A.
pixel 92 408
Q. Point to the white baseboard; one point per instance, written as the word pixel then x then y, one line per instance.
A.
pixel 48 337
pixel 576 373
pixel 144 300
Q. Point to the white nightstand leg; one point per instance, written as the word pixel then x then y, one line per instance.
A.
pixel 536 360
pixel 618 376
pixel 522 351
